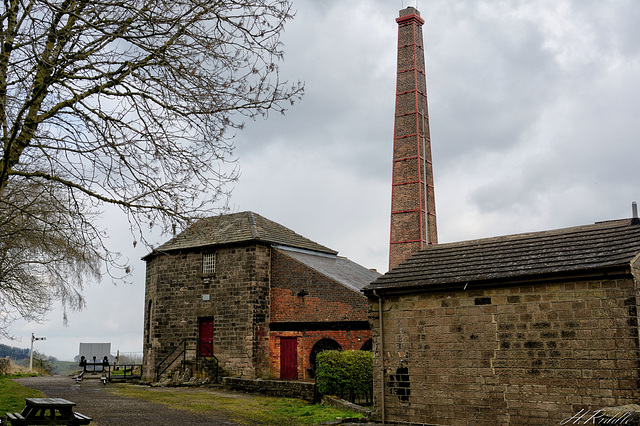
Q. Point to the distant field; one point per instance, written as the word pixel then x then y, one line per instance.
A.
pixel 66 368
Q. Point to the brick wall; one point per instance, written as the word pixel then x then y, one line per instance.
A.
pixel 348 341
pixel 324 300
pixel 238 302
pixel 533 354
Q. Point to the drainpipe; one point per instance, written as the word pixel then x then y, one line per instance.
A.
pixel 382 407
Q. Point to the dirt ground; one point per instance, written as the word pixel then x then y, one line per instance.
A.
pixel 108 409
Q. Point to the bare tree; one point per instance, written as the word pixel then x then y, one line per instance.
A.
pixel 129 103
pixel 48 246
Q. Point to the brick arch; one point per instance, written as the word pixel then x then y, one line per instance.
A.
pixel 367 346
pixel 324 344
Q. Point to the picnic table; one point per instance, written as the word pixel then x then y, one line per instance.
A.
pixel 48 411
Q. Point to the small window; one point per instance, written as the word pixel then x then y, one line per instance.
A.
pixel 208 263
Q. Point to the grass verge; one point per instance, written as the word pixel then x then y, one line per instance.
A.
pixel 12 395
pixel 240 408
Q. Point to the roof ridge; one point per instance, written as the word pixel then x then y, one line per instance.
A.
pixel 536 234
pixel 253 226
pixel 234 228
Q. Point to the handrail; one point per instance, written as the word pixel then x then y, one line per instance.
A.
pixel 124 370
pixel 183 345
pixel 200 344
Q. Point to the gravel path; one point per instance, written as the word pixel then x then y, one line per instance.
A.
pixel 108 409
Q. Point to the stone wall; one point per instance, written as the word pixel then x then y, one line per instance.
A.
pixel 236 296
pixel 302 390
pixel 531 354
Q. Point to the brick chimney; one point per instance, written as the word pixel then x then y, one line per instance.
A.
pixel 413 209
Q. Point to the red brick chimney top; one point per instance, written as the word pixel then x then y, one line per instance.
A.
pixel 408 16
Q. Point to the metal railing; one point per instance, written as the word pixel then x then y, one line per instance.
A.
pixel 125 371
pixel 209 359
pixel 107 371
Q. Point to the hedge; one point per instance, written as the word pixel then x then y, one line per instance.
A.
pixel 347 374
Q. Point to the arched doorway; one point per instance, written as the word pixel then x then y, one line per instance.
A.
pixel 321 345
pixel 367 346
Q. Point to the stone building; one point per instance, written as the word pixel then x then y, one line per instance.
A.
pixel 520 329
pixel 261 298
pixel 536 328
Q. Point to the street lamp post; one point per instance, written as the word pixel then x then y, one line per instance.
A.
pixel 31 352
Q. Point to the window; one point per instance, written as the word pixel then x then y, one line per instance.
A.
pixel 149 319
pixel 208 263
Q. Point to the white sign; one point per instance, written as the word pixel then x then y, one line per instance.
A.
pixel 99 350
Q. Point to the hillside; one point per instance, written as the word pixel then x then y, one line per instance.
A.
pixel 14 353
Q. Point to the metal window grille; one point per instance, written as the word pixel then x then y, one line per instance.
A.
pixel 208 263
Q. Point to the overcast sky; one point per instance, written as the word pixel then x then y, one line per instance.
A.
pixel 534 112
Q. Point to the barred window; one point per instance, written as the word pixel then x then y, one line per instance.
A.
pixel 208 263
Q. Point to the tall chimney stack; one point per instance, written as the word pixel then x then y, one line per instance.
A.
pixel 413 209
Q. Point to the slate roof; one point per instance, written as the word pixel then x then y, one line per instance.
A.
pixel 580 250
pixel 340 269
pixel 238 228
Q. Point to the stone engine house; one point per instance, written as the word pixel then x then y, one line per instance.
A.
pixel 538 328
pixel 528 329
pixel 261 298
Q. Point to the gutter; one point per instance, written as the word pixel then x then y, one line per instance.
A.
pixel 614 271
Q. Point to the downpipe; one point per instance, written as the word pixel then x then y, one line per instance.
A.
pixel 382 388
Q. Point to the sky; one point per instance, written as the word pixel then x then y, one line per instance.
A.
pixel 534 114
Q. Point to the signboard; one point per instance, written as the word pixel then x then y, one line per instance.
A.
pixel 99 350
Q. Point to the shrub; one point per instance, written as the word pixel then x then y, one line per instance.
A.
pixel 347 374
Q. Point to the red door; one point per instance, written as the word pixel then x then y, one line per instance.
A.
pixel 288 358
pixel 205 334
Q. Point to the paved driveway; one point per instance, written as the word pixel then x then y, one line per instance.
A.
pixel 108 409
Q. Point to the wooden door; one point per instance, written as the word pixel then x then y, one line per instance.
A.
pixel 288 358
pixel 205 334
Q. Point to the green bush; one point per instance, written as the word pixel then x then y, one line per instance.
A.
pixel 347 374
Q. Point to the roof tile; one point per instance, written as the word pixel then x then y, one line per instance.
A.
pixel 582 248
pixel 340 269
pixel 237 228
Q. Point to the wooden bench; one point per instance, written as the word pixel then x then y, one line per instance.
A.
pixel 16 419
pixel 48 411
pixel 82 419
